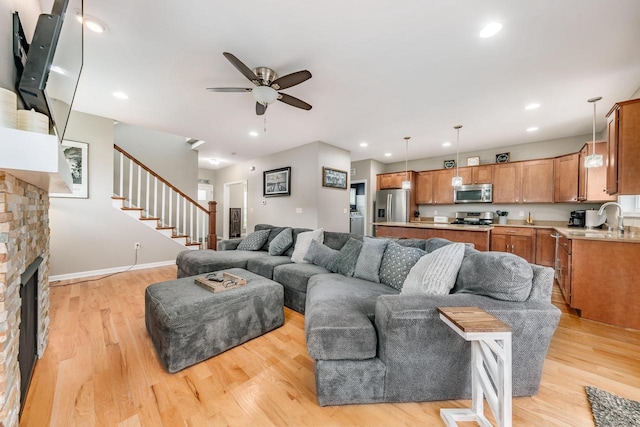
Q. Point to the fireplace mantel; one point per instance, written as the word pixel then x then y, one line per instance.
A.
pixel 35 158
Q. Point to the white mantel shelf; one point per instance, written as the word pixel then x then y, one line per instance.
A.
pixel 35 158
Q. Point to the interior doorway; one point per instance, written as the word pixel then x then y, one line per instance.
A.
pixel 358 204
pixel 235 197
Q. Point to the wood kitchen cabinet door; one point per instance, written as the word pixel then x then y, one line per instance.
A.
pixel 482 174
pixel 442 188
pixel 566 178
pixel 388 181
pixel 424 188
pixel 514 240
pixel 545 247
pixel 623 139
pixel 595 179
pixel 507 179
pixel 537 181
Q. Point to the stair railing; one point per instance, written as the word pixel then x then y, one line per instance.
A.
pixel 141 187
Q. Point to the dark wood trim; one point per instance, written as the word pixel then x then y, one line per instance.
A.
pixel 213 237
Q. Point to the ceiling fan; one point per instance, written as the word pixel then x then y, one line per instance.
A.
pixel 267 85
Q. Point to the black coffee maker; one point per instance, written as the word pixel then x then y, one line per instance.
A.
pixel 577 219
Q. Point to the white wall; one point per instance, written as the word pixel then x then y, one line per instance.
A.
pixel 307 193
pixel 29 10
pixel 168 155
pixel 89 234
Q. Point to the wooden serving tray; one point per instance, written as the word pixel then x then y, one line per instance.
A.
pixel 230 281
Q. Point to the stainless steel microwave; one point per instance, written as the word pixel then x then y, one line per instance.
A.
pixel 477 193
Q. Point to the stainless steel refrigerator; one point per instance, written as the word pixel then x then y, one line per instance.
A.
pixel 392 206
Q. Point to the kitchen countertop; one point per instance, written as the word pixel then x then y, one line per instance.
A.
pixel 431 224
pixel 630 236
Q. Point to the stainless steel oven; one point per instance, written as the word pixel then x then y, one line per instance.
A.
pixel 477 193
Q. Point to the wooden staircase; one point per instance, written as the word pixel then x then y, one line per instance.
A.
pixel 154 222
pixel 142 194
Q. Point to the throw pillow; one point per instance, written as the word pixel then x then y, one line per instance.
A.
pixel 498 275
pixel 436 272
pixel 345 260
pixel 320 254
pixel 303 242
pixel 368 264
pixel 254 241
pixel 397 262
pixel 281 242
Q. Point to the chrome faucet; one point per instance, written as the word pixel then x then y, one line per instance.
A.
pixel 620 216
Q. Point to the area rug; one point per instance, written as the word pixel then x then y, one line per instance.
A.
pixel 610 410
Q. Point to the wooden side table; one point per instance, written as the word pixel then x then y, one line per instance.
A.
pixel 490 365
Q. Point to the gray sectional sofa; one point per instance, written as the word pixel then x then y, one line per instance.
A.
pixel 372 343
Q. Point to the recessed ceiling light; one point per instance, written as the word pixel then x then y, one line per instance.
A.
pixel 253 133
pixel 92 23
pixel 446 144
pixel 214 161
pixel 532 106
pixel 532 129
pixel 490 30
pixel 387 154
pixel 120 95
pixel 363 144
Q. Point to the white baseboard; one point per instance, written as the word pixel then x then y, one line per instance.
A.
pixel 82 274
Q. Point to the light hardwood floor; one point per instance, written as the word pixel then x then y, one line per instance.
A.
pixel 100 368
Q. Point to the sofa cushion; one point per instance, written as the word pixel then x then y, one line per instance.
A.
pixel 192 263
pixel 345 260
pixel 368 264
pixel 336 240
pixel 295 232
pixel 296 276
pixel 436 272
pixel 264 265
pixel 303 242
pixel 254 241
pixel 320 254
pixel 396 263
pixel 338 317
pixel 281 242
pixel 498 275
pixel 434 243
pixel 412 243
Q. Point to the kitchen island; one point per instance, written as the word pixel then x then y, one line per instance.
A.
pixel 479 235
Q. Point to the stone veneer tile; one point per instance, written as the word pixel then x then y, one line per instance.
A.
pixel 24 235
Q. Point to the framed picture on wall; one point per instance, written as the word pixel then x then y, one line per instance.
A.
pixel 334 178
pixel 276 182
pixel 77 155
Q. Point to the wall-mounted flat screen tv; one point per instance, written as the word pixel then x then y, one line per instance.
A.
pixel 53 63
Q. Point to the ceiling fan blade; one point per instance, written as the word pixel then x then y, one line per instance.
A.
pixel 288 99
pixel 229 89
pixel 246 71
pixel 260 109
pixel 291 80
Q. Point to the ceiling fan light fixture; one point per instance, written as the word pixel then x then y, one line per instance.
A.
pixel 264 95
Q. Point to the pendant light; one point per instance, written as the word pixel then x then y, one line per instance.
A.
pixel 456 181
pixel 406 184
pixel 593 160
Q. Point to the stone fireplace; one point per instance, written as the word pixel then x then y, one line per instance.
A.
pixel 24 236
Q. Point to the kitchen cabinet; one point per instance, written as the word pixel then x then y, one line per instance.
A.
pixel 442 188
pixel 507 180
pixel 424 188
pixel 623 148
pixel 537 181
pixel 566 178
pixel 516 240
pixel 564 267
pixel 389 181
pixel 479 237
pixel 477 174
pixel 530 181
pixel 545 247
pixel 592 182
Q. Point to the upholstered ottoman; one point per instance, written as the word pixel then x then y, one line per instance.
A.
pixel 189 324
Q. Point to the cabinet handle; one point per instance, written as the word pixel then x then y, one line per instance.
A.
pixel 509 231
pixel 512 249
pixel 507 248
